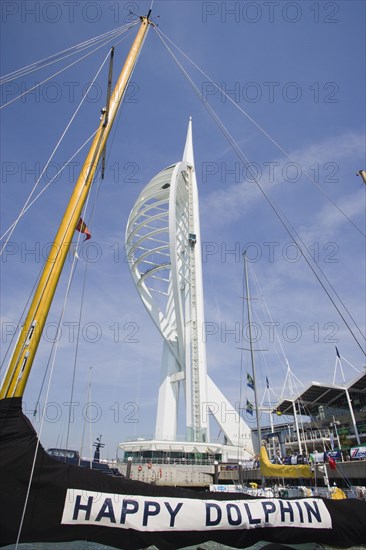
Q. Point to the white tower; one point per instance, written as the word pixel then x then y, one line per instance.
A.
pixel 163 245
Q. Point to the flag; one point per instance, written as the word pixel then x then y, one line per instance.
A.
pixel 82 228
pixel 267 383
pixel 250 382
pixel 249 408
pixel 337 352
pixel 332 463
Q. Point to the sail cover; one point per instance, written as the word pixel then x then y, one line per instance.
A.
pixel 282 470
pixel 67 503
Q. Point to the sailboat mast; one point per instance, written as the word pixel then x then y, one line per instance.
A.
pixel 251 350
pixel 22 358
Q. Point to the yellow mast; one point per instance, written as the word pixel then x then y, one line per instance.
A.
pixel 22 359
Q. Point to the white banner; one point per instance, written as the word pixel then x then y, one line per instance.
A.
pixel 358 453
pixel 145 513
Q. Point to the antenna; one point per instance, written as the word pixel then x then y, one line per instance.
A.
pixel 98 445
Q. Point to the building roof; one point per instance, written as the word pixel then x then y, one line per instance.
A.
pixel 321 394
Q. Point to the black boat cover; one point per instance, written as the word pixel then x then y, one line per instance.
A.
pixel 68 503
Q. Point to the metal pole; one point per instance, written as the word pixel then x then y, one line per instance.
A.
pixel 22 358
pixel 240 473
pixel 335 422
pixel 353 417
pixel 297 427
pixel 273 439
pixel 251 351
pixel 216 472
pixel 129 466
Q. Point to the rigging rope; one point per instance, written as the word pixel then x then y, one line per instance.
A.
pixel 268 313
pixel 291 231
pixel 261 129
pixel 75 254
pixel 56 73
pixel 242 377
pixel 81 301
pixel 40 272
pixel 326 446
pixel 59 57
pixel 53 354
pixel 25 206
pixel 52 361
pixel 49 183
pixel 84 278
pixel 63 167
pixel 77 339
pixel 19 324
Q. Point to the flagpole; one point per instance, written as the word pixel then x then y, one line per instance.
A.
pixel 23 355
pixel 297 426
pixel 271 424
pixel 251 351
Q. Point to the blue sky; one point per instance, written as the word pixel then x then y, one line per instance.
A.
pixel 297 69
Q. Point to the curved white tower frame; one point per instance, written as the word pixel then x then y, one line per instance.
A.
pixel 163 245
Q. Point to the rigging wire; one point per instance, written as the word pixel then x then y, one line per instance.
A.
pixel 25 208
pixel 82 301
pixel 326 445
pixel 51 181
pixel 56 73
pixel 350 364
pixel 85 419
pixel 77 244
pixel 76 352
pixel 47 61
pixel 63 167
pixel 13 226
pixel 86 267
pixel 19 324
pixel 269 404
pixel 241 379
pixel 261 129
pixel 40 271
pixel 280 215
pixel 73 260
pixel 79 326
pixel 54 353
pixel 79 322
pixel 268 313
pixel 89 223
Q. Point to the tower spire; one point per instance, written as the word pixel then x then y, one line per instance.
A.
pixel 188 148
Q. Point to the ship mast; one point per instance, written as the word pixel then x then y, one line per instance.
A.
pixel 251 351
pixel 22 358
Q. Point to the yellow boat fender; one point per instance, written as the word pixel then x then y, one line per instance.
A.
pixel 337 494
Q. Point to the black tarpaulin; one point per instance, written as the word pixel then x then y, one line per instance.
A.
pixel 68 503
